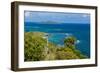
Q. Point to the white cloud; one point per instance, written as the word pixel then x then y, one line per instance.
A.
pixel 27 14
pixel 84 15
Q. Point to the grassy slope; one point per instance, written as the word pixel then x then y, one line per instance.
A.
pixel 35 49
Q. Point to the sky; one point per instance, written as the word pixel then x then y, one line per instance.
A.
pixel 56 17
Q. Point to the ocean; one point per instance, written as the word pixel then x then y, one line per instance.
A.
pixel 58 31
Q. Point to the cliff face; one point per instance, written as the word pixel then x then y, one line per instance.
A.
pixel 36 49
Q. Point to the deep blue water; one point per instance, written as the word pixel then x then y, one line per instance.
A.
pixel 57 32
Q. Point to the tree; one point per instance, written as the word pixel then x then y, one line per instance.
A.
pixel 70 42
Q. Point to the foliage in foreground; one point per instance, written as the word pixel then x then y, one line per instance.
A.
pixel 36 48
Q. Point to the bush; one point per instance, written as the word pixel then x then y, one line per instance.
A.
pixel 34 47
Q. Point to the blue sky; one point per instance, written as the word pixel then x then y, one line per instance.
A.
pixel 58 17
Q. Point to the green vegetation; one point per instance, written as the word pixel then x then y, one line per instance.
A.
pixel 36 48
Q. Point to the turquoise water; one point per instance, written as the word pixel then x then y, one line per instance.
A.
pixel 57 33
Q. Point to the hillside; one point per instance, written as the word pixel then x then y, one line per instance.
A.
pixel 36 48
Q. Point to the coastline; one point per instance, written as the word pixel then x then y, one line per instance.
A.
pixel 36 42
